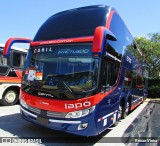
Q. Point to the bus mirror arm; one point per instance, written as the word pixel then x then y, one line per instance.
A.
pixel 110 35
pixel 11 41
pixel 100 35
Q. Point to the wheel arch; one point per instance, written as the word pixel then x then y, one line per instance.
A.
pixel 15 88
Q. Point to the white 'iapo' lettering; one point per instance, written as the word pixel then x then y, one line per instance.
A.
pixel 77 105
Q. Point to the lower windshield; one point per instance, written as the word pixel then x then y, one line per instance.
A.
pixel 61 72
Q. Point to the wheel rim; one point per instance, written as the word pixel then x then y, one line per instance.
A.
pixel 10 97
pixel 127 108
pixel 120 112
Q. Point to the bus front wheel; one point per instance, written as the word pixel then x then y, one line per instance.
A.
pixel 10 97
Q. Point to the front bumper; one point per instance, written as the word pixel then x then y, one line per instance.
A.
pixel 85 126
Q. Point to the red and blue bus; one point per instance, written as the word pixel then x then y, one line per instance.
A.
pixel 83 72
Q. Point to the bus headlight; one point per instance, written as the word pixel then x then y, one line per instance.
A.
pixel 23 103
pixel 80 113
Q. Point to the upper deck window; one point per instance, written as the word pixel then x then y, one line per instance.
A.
pixel 73 23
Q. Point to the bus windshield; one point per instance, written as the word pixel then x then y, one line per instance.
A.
pixel 60 71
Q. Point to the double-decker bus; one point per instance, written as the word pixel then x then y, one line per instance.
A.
pixel 83 72
pixel 10 74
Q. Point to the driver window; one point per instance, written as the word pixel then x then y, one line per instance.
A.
pixel 112 60
pixel 110 74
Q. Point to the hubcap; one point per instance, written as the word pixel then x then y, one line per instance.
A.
pixel 127 108
pixel 10 97
pixel 120 112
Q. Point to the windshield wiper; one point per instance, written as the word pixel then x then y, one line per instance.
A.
pixel 61 85
pixel 67 87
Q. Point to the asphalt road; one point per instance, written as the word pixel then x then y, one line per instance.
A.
pixel 146 124
pixel 142 122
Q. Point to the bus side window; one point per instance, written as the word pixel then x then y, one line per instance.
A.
pixel 106 73
pixel 1 58
pixel 3 61
pixel 111 70
pixel 4 64
pixel 18 59
pixel 114 51
pixel 127 79
pixel 22 60
pixel 137 81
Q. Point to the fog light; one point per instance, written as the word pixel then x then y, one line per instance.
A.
pixel 82 126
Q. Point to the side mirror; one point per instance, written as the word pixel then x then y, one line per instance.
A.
pixel 100 35
pixel 110 35
pixel 10 42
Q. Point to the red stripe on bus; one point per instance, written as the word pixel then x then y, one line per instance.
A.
pixel 109 19
pixel 98 39
pixel 135 105
pixel 62 105
pixel 63 41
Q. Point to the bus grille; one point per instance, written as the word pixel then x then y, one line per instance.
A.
pixel 56 114
pixel 48 113
pixel 35 110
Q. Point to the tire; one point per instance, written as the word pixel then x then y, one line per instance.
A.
pixel 120 112
pixel 10 97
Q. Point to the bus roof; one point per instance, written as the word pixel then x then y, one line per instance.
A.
pixel 78 22
pixel 15 48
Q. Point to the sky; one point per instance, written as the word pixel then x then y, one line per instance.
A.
pixel 22 18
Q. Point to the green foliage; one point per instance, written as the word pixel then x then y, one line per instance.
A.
pixel 154 91
pixel 154 88
pixel 150 47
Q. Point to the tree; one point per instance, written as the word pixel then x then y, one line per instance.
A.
pixel 150 47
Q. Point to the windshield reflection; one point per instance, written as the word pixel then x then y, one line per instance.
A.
pixel 60 77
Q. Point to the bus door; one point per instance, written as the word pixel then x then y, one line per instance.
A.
pixel 110 104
